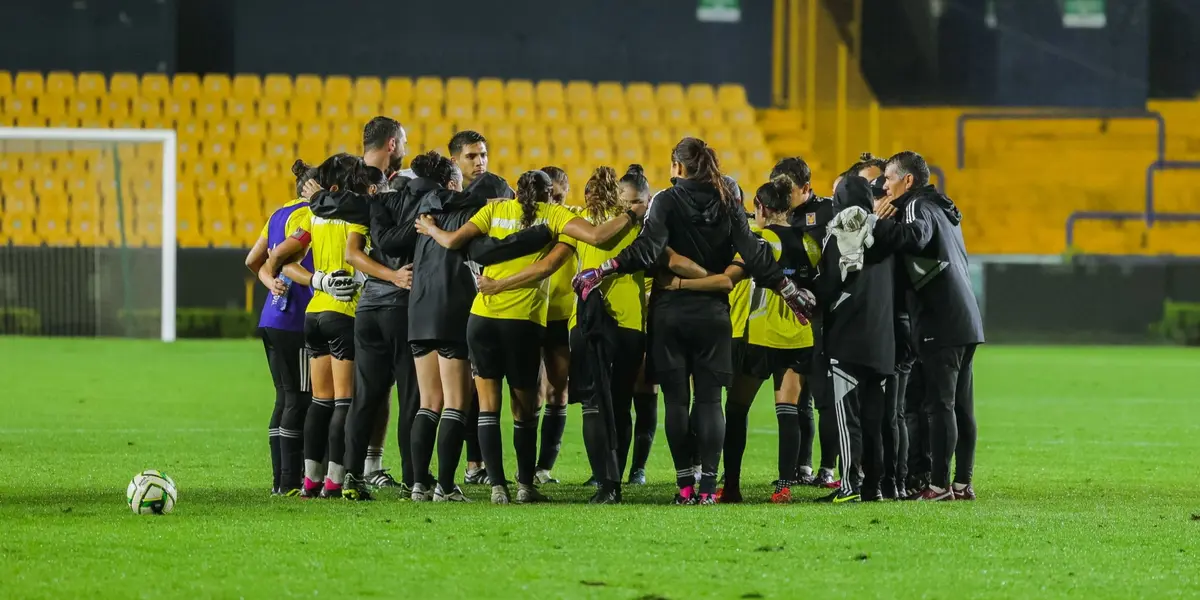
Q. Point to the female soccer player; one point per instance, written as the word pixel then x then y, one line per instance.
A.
pixel 329 322
pixel 701 219
pixel 505 330
pixel 635 189
pixel 556 350
pixel 281 327
pixel 779 346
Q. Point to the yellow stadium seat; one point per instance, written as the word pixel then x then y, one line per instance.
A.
pixel 332 110
pixel 336 146
pixel 338 88
pixel 518 91
pixel 21 231
pixel 639 94
pixel 185 85
pixel 216 85
pixel 145 109
pixel 566 155
pixel 658 137
pixel 398 90
pixel 740 116
pixel 187 148
pixel 564 133
pixel 222 131
pixel 550 92
pixel 16 107
pixel 429 89
pixel 602 154
pixel 437 133
pixel 502 153
pixel 308 87
pixel 115 107
pixel 677 115
pixel 153 85
pixel 303 109
pixel 646 115
pixel 709 115
pixel 19 204
pixel 493 112
pixel 238 109
pixel 460 90
pixel 525 113
pixel 29 84
pixel 52 107
pixel 394 110
pixel 427 110
pixel 248 149
pixel 502 133
pixel 584 114
pixel 367 89
pixel 345 130
pixel 271 109
pixel 283 130
pixel 626 135
pixel 615 114
pixel 245 87
pixel 531 133
pixel 718 136
pixel 6 84
pixel 535 154
pixel 731 96
pixel 82 107
pixel 215 149
pixel 277 86
pixel 595 134
pixel 669 94
pixel 190 130
pixel 177 110
pixel 364 110
pixel 628 154
pixel 610 93
pixel 210 109
pixel 60 83
pixel 701 95
pixel 91 84
pixel 460 112
pixel 125 85
pixel 580 93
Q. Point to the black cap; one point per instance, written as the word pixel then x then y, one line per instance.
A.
pixel 877 187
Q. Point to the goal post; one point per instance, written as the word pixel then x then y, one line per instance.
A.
pixel 32 140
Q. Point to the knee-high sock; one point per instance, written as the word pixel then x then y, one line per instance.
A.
pixel 679 439
pixel 525 443
pixel 646 407
pixel 471 433
pixel 291 439
pixel 808 431
pixel 788 417
pixel 316 437
pixel 737 417
pixel 424 432
pixel 337 440
pixel 449 446
pixel 273 438
pixel 554 422
pixel 491 446
pixel 710 435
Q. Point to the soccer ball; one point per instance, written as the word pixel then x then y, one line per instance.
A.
pixel 151 492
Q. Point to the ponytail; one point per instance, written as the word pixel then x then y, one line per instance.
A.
pixel 601 194
pixel 532 187
pixel 700 163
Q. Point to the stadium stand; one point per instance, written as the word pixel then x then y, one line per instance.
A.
pixel 237 137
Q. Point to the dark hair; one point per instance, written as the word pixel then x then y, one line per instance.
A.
pixel 700 164
pixel 911 163
pixel 532 187
pixel 464 138
pixel 432 165
pixel 601 194
pixel 348 172
pixel 865 160
pixel 795 168
pixel 558 177
pixel 303 172
pixel 378 131
pixel 775 195
pixel 635 176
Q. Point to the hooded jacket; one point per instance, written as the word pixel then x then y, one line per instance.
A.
pixel 691 218
pixel 926 234
pixel 857 311
pixel 443 286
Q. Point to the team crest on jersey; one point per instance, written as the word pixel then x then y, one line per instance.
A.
pixel 810 219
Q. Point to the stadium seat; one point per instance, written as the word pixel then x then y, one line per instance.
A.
pixel 395 110
pixel 493 112
pixel 524 113
pixel 429 90
pixel 580 93
pixel 277 86
pixel 367 89
pixel 51 107
pixel 91 84
pixel 332 110
pixel 550 92
pixel 308 87
pixel 185 86
pixel 178 111
pixel 669 94
pixel 338 88
pixel 60 84
pixel 6 84
pixel 732 96
pixel 640 94
pixel 427 110
pixel 272 109
pixel 398 90
pixel 210 109
pixel 238 109
pixel 303 109
pixel 517 91
pixel 460 113
pixel 615 114
pixel 146 109
pixel 28 84
pixel 245 87
pixel 216 85
pixel 610 93
pixel 460 90
pixel 701 95
pixel 364 110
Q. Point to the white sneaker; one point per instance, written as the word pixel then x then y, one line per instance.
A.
pixel 455 495
pixel 542 477
pixel 499 494
pixel 528 494
pixel 420 493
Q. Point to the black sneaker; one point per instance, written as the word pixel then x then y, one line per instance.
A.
pixel 475 476
pixel 871 495
pixel 823 479
pixel 637 477
pixel 356 488
pixel 689 500
pixel 606 495
pixel 803 478
pixel 839 496
pixel 887 487
pixel 592 481
pixel 381 479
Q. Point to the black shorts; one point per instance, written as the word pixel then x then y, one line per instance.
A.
pixel 445 349
pixel 557 334
pixel 694 343
pixel 329 334
pixel 286 358
pixel 506 349
pixel 762 362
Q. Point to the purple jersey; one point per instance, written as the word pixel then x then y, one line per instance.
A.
pixel 287 311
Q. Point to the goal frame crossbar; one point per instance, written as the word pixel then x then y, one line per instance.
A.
pixel 167 138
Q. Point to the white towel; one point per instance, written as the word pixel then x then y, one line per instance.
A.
pixel 853 229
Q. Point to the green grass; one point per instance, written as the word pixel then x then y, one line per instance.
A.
pixel 1088 475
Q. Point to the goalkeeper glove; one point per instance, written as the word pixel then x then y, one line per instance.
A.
pixel 589 279
pixel 340 284
pixel 801 301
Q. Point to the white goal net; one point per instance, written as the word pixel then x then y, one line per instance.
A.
pixel 87 232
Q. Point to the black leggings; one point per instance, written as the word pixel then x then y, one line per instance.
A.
pixel 709 423
pixel 289 372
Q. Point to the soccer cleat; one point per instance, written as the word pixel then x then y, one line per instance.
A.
pixel 707 499
pixel 356 488
pixel 331 489
pixel 421 493
pixel 542 477
pixel 931 495
pixel 310 489
pixel 291 493
pixel 869 495
pixel 803 478
pixel 824 479
pixel 966 493
pixel 887 487
pixel 606 495
pixel 500 494
pixel 475 476
pixel 840 496
pixel 592 481
pixel 783 492
pixel 455 495
pixel 382 479
pixel 527 494
pixel 637 477
pixel 728 495
pixel 686 496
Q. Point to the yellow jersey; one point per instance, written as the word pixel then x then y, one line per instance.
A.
pixel 624 295
pixel 739 307
pixel 562 295
pixel 301 218
pixel 328 249
pixel 772 323
pixel 500 220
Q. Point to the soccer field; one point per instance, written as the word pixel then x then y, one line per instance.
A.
pixel 1088 477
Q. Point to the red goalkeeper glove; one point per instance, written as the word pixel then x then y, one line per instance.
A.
pixel 801 301
pixel 589 279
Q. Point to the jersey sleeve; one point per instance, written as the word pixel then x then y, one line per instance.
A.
pixel 483 218
pixel 301 218
pixel 265 233
pixel 557 217
pixel 359 229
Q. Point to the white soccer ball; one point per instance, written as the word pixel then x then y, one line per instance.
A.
pixel 151 492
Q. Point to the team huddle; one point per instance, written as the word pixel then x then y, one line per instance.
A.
pixel 444 281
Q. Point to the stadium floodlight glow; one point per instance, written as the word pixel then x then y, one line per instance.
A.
pixel 167 138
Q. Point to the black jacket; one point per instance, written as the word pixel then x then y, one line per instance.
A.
pixel 443 285
pixel 858 316
pixel 492 186
pixel 927 236
pixel 691 218
pixel 592 371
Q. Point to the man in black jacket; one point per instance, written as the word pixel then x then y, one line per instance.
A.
pixel 928 239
